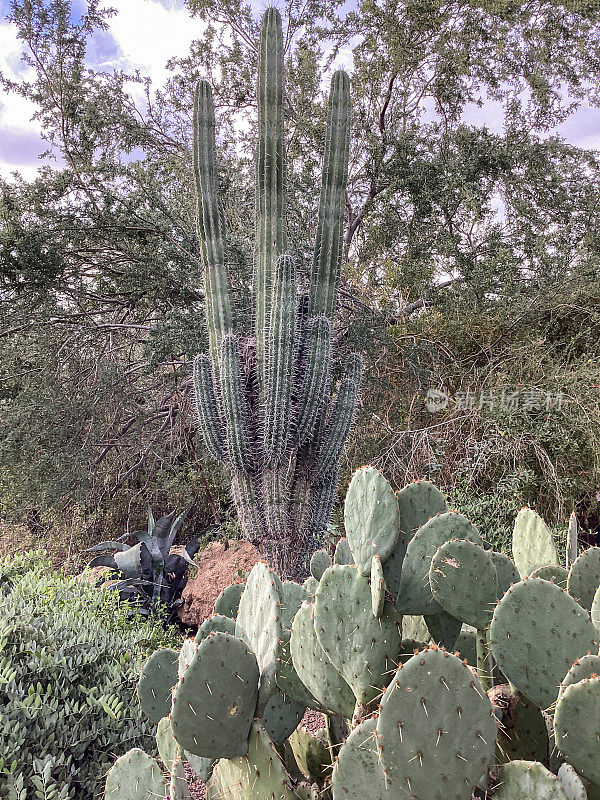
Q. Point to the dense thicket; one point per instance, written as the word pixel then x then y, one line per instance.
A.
pixel 472 253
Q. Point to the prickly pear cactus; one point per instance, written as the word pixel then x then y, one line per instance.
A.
pixel 377 587
pixel 532 544
pixel 584 667
pixel 159 676
pixel 552 572
pixel 319 562
pixel 343 554
pixel 414 596
pixel 584 577
pixel 527 779
pixel 572 784
pixel 358 772
pixel 135 776
pixel 228 602
pixel 537 632
pixel 371 518
pixel 215 699
pixel 436 728
pixel 577 727
pixel 217 622
pixel 506 572
pixel 464 582
pixel 363 648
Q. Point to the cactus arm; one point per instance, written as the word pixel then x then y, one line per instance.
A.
pixel 248 505
pixel 210 224
pixel 281 343
pixel 330 225
pixel 207 409
pixel 340 420
pixel 234 405
pixel 270 179
pixel 316 368
pixel 322 498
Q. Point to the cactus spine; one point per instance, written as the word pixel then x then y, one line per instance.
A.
pixel 274 417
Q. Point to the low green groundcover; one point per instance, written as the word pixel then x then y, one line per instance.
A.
pixel 69 663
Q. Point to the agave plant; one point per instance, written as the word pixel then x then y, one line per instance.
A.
pixel 148 575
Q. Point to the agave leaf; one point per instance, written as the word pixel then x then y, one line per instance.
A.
pixel 134 562
pixel 103 561
pixel 97 548
pixel 173 532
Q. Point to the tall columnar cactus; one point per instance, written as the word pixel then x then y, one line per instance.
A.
pixel 274 416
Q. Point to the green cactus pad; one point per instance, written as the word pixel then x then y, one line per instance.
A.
pixel 466 647
pixel 532 543
pixel 377 587
pixel 314 668
pixel 259 775
pixel 287 677
pixel 281 716
pixel 158 677
pixel 217 622
pixel 571 782
pixel 527 780
pixel 312 754
pixel 408 648
pixel 417 503
pixel 595 612
pixel 522 734
pixel 436 728
pixel 203 767
pixel 444 629
pixel 310 585
pixel 178 789
pixel 362 647
pixel 215 700
pixel 228 602
pixel 358 771
pixel 552 572
pixel 414 596
pixel 577 727
pixel 415 627
pixel 292 596
pixel 537 632
pixel 343 554
pixel 168 749
pixel 135 776
pixel 464 582
pixel 585 667
pixel 371 517
pixel 320 561
pixel 584 577
pixel 506 572
pixel 259 623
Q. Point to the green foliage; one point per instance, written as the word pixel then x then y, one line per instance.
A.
pixel 69 662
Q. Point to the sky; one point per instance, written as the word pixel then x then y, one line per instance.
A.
pixel 144 35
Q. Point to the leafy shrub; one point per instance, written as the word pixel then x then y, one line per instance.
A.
pixel 69 663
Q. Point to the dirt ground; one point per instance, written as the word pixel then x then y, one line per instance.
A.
pixel 218 565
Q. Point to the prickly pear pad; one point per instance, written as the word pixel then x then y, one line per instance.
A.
pixel 343 554
pixel 464 582
pixel 584 577
pixel 259 623
pixel 218 622
pixel 362 647
pixel 506 572
pixel 532 544
pixel 519 780
pixel 228 602
pixel 215 700
pixel 259 775
pixel 158 677
pixel 436 728
pixel 358 771
pixel 596 610
pixel 414 596
pixel 577 727
pixel 585 667
pixel 292 596
pixel 571 782
pixel 281 716
pixel 312 753
pixel 135 776
pixel 168 749
pixel 444 629
pixel 417 503
pixel 371 517
pixel 287 677
pixel 314 668
pixel 537 633
pixel 319 562
pixel 553 572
